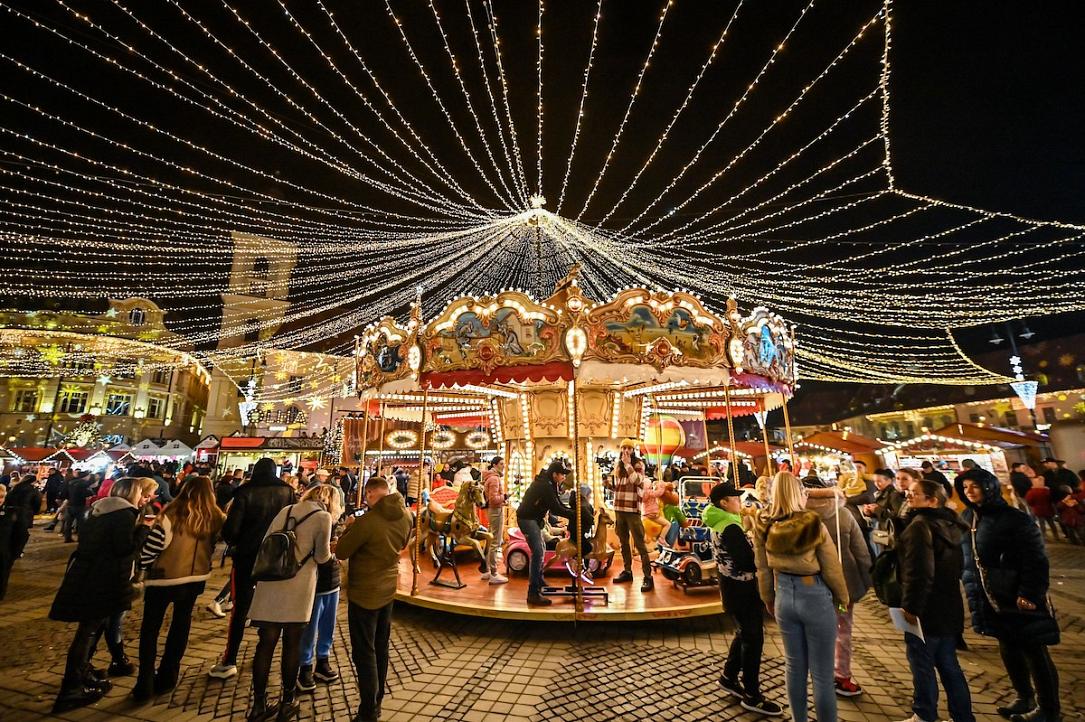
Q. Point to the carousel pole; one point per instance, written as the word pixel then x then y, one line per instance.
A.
pixel 733 467
pixel 790 443
pixel 579 605
pixel 707 442
pixel 365 445
pixel 380 458
pixel 418 510
pixel 765 438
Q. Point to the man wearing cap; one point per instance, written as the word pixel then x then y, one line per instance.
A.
pixel 628 486
pixel 540 499
pixel 738 591
pixel 1056 476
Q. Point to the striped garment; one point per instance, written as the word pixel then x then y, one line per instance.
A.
pixel 156 543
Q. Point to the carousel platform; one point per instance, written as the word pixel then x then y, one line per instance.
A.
pixel 509 601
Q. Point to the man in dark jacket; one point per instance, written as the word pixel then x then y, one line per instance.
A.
pixel 1056 476
pixel 252 510
pixel 79 493
pixel 24 500
pixel 930 569
pixel 929 472
pixel 540 499
pixel 54 485
pixel 1006 580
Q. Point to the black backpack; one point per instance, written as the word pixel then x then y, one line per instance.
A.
pixel 277 559
pixel 885 572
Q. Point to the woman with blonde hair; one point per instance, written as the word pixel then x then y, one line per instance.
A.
pixel 97 587
pixel 177 561
pixel 802 584
pixel 320 632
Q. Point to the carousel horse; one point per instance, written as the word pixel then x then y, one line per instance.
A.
pixel 600 551
pixel 445 529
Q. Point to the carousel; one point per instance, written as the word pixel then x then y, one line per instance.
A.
pixel 567 377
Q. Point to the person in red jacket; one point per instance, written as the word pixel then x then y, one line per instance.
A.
pixel 1039 501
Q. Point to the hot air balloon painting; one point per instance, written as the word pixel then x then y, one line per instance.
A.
pixel 662 437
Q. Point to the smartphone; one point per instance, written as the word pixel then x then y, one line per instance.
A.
pixel 360 512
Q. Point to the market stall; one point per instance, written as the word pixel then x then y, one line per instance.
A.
pixel 826 453
pixel 571 377
pixel 295 452
pixel 947 454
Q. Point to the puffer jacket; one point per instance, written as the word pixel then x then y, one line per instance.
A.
pixel 931 561
pixel 1009 545
pixel 796 544
pixel 853 552
pixel 253 507
pixel 98 581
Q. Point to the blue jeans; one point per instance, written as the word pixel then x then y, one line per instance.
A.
pixel 533 534
pixel 924 657
pixel 321 629
pixel 807 620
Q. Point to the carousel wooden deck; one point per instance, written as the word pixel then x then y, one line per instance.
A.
pixel 508 601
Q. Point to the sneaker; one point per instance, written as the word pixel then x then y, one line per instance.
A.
pixel 306 683
pixel 762 706
pixel 1017 706
pixel 227 605
pixel 223 671
pixel 847 687
pixel 731 686
pixel 324 672
pixel 484 576
pixel 216 609
pixel 538 600
pixel 498 579
pixel 914 718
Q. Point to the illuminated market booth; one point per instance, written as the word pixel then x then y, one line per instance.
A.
pixel 564 377
pixel 991 447
pixel 825 453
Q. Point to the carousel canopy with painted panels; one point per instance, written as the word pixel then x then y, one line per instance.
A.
pixel 508 357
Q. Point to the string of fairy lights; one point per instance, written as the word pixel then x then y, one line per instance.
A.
pixel 363 170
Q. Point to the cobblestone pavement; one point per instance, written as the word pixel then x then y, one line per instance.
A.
pixel 449 668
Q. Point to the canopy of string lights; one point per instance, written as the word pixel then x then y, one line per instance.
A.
pixel 733 149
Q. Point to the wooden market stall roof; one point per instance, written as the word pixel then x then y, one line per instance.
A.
pixel 994 435
pixel 33 454
pixel 845 441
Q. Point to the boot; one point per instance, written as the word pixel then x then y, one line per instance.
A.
pixel 164 682
pixel 121 667
pixel 144 688
pixel 306 683
pixel 648 585
pixel 538 600
pixel 76 697
pixel 260 711
pixel 626 576
pixel 324 672
pixel 1019 705
pixel 1036 715
pixel 289 709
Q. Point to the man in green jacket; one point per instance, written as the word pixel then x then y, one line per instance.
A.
pixel 371 546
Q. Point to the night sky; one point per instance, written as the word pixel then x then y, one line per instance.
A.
pixel 986 97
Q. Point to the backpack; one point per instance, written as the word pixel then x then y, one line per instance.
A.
pixel 277 559
pixel 884 573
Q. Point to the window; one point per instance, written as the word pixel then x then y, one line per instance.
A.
pixel 137 316
pixel 118 404
pixel 1011 418
pixel 261 273
pixel 1049 414
pixel 155 407
pixel 160 376
pixel 294 386
pixel 73 401
pixel 26 401
pixel 974 418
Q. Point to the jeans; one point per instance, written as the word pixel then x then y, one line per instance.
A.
pixel 743 605
pixel 926 656
pixel 626 523
pixel 320 632
pixel 289 663
pixel 77 666
pixel 533 534
pixel 113 632
pixel 155 601
pixel 1029 664
pixel 496 517
pixel 370 630
pixel 242 588
pixel 844 621
pixel 807 620
pixel 73 517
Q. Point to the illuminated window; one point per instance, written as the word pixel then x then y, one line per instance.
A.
pixel 25 401
pixel 119 405
pixel 161 376
pixel 155 407
pixel 73 401
pixel 137 316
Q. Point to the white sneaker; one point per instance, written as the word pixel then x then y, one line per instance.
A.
pixel 227 605
pixel 485 576
pixel 223 671
pixel 914 718
pixel 498 579
pixel 216 609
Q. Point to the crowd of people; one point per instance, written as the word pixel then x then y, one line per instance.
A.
pixel 806 556
pixel 151 532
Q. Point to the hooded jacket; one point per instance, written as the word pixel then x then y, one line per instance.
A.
pixel 930 568
pixel 98 581
pixel 371 547
pixel 853 552
pixel 730 545
pixel 541 498
pixel 1009 546
pixel 253 507
pixel 796 544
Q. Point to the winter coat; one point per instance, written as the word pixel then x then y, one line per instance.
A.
pixel 291 600
pixel 171 558
pixel 1072 510
pixel 797 544
pixel 495 495
pixel 1039 500
pixel 371 547
pixel 889 501
pixel 853 552
pixel 731 548
pixel 1055 479
pixel 931 561
pixel 253 507
pixel 541 499
pixel 98 581
pixel 25 500
pixel 1009 545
